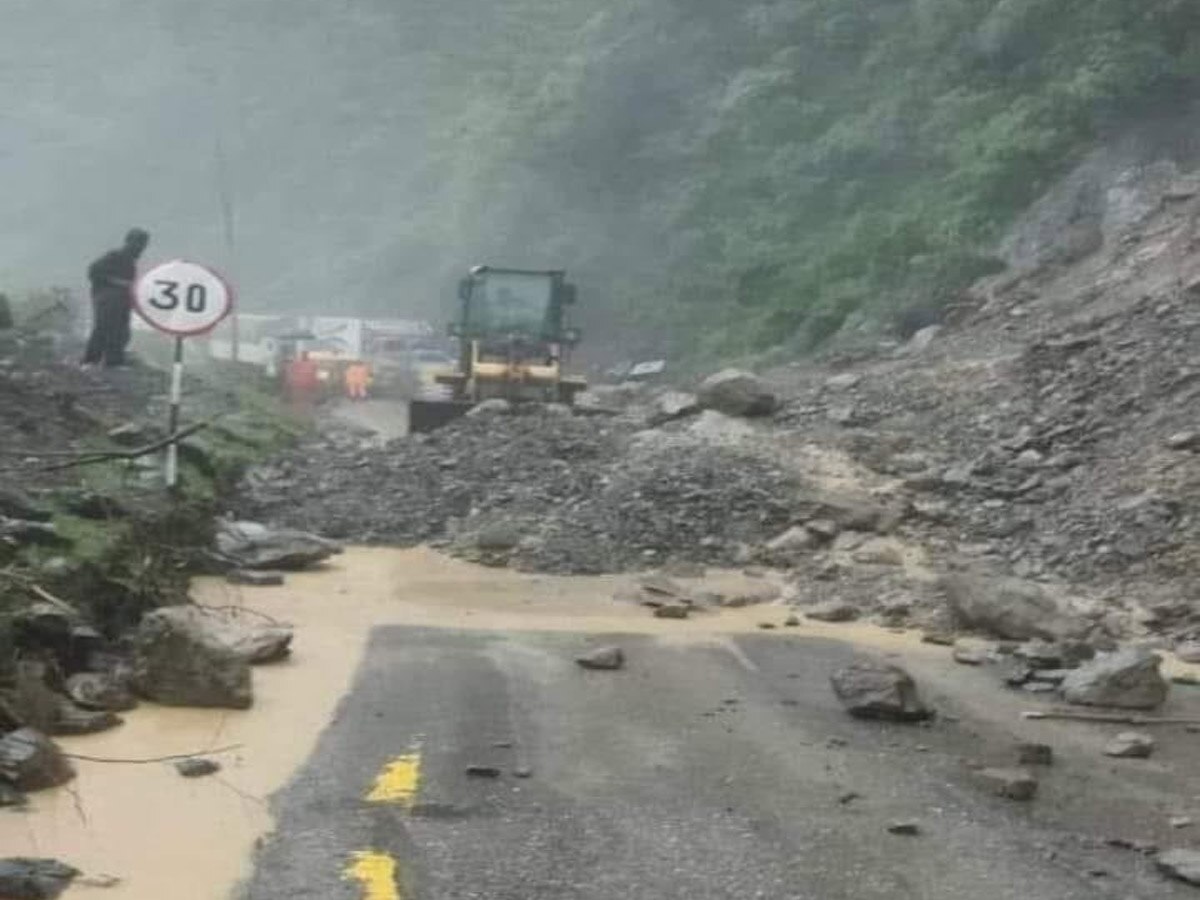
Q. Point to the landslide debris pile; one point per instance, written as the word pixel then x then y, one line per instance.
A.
pixel 537 488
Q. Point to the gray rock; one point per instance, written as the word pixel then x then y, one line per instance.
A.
pixel 248 545
pixel 254 579
pixel 1184 440
pixel 1181 864
pixel 197 767
pixel 737 393
pixel 258 644
pixel 1188 651
pixel 671 405
pixel 908 828
pixel 1030 753
pixel 792 621
pixel 1013 784
pixel 483 771
pixel 843 382
pixel 30 761
pixel 1130 745
pixel 492 407
pixel 603 658
pixel 181 658
pixel 1006 607
pixel 23 878
pixel 833 611
pixel 1129 679
pixel 969 655
pixel 790 546
pixel 870 688
pixel 101 691
pixel 673 610
pixel 500 536
pixel 661 585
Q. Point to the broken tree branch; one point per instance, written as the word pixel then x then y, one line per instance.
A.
pixel 1110 718
pixel 108 455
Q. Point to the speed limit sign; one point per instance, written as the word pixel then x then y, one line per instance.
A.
pixel 182 298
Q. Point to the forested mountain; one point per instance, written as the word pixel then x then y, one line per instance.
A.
pixel 731 175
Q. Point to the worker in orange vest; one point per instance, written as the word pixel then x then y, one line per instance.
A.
pixel 358 379
pixel 302 382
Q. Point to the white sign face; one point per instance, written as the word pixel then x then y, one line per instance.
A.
pixel 182 298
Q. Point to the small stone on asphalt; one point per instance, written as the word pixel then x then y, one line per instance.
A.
pixel 483 771
pixel 1130 745
pixel 196 767
pixel 906 828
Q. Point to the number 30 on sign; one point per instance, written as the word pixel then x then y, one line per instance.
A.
pixel 182 298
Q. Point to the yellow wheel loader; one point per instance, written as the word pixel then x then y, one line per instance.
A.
pixel 514 342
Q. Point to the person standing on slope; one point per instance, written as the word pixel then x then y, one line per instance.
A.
pixel 112 277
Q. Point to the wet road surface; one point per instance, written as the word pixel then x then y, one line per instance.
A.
pixel 703 770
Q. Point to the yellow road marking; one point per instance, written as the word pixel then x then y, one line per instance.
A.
pixel 398 782
pixel 376 872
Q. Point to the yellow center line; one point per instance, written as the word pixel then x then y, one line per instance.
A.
pixel 376 872
pixel 398 782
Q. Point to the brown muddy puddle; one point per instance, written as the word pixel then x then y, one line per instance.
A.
pixel 165 836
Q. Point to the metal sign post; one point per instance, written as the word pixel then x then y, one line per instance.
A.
pixel 182 299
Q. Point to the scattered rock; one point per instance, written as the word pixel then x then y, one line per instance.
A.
pixel 1181 864
pixel 833 611
pixel 848 797
pixel 843 382
pixel 481 771
pixel 602 658
pixel 792 621
pixel 1188 651
pixel 1180 821
pixel 737 393
pixel 1030 753
pixel 940 638
pixel 249 545
pixel 1129 679
pixel 907 827
pixel 673 611
pixel 30 761
pixel 1130 745
pixel 181 658
pixel 1184 440
pixel 873 689
pixel 1014 784
pixel 671 405
pixel 23 878
pixel 495 406
pixel 254 579
pixel 661 585
pixel 197 767
pixel 522 772
pixel 969 654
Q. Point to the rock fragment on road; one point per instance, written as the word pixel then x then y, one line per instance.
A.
pixel 871 688
pixel 1129 679
pixel 1013 784
pixel 1030 753
pixel 908 828
pixel 602 659
pixel 735 392
pixel 1130 745
pixel 197 767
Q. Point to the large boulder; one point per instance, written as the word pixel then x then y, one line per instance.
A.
pixel 1006 608
pixel 182 657
pixel 870 688
pixel 30 761
pixel 1128 679
pixel 249 545
pixel 737 393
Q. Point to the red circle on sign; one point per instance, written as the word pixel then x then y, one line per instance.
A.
pixel 151 310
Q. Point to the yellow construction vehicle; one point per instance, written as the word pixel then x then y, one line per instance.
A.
pixel 514 342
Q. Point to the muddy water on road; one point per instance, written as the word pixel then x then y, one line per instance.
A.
pixel 166 836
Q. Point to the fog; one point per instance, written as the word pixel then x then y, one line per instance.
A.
pixel 310 118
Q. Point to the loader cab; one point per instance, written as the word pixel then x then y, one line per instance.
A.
pixel 519 305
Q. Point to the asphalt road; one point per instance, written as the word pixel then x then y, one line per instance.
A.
pixel 700 771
